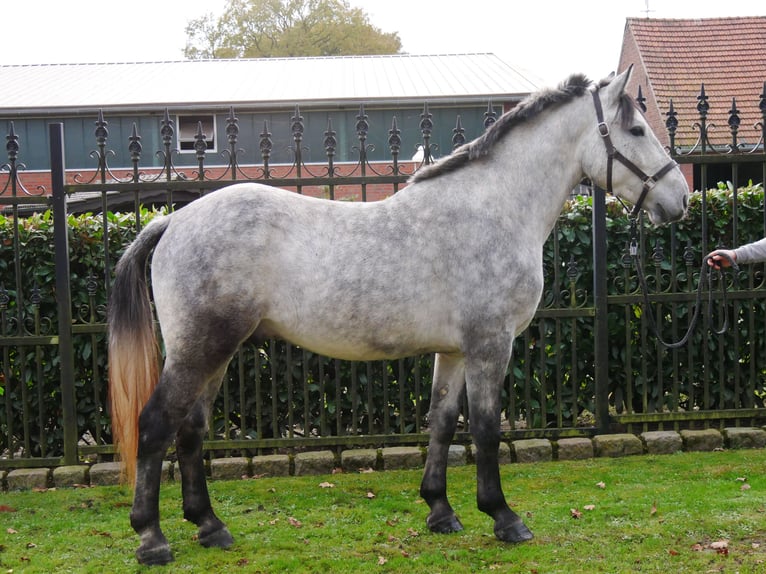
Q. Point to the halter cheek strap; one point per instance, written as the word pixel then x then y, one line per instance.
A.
pixel 612 154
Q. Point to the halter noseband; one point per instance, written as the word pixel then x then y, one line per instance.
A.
pixel 649 181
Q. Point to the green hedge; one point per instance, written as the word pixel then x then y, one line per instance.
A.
pixel 560 376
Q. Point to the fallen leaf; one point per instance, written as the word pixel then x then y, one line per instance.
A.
pixel 326 485
pixel 742 479
pixel 381 560
pixel 12 531
pixel 366 470
pixel 698 548
pixel 273 522
pixel 370 494
pixel 392 521
pixel 719 544
pixel 653 511
pixel 405 554
pixel 589 507
pixel 745 487
pixel 4 508
pixel 575 513
pixel 294 522
pixel 412 532
pixel 673 552
pixel 601 484
pixel 337 470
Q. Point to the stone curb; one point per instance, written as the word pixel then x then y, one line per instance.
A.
pixel 395 458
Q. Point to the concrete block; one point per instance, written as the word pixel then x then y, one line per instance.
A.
pixel 503 453
pixel 576 448
pixel 617 445
pixel 402 457
pixel 106 474
pixel 28 478
pixel 75 475
pixel 230 468
pixel 270 465
pixel 702 440
pixel 662 442
pixel 320 462
pixel 457 455
pixel 357 459
pixel 533 450
pixel 745 437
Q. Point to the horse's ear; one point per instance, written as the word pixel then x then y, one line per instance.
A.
pixel 617 86
pixel 622 79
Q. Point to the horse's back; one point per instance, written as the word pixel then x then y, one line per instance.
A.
pixel 346 279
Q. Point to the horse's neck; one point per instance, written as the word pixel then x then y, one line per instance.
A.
pixel 538 167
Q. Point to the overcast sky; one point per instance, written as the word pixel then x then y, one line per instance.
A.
pixel 549 38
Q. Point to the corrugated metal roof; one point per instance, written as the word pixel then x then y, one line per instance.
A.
pixel 259 82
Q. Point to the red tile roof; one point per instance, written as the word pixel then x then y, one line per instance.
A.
pixel 674 58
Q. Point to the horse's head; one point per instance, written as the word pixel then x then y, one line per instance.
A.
pixel 625 158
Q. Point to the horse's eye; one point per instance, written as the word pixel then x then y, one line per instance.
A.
pixel 637 131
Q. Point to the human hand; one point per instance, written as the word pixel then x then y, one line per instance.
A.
pixel 721 258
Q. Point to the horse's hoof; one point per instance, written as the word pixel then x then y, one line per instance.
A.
pixel 154 556
pixel 444 525
pixel 220 538
pixel 514 532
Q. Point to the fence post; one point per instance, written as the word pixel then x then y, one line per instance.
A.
pixel 63 293
pixel 601 325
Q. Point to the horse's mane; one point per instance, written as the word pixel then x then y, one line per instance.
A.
pixel 574 86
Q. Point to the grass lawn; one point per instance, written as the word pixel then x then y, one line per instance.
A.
pixel 690 512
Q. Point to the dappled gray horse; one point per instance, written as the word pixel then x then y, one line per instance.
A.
pixel 450 265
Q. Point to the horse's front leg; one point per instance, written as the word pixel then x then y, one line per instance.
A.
pixel 484 378
pixel 447 390
pixel 196 499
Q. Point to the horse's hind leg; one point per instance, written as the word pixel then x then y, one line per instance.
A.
pixel 447 391
pixel 196 500
pixel 484 379
pixel 157 425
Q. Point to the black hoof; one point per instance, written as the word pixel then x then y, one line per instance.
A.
pixel 220 538
pixel 155 556
pixel 514 532
pixel 444 524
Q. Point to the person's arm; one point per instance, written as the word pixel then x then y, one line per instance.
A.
pixel 750 253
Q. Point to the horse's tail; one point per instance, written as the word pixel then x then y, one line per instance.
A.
pixel 134 355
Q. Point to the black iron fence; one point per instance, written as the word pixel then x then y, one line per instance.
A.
pixel 588 363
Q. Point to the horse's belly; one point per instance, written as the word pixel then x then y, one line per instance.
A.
pixel 354 343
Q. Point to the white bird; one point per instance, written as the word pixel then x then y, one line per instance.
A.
pixel 418 157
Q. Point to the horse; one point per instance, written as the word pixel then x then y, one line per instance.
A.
pixel 450 265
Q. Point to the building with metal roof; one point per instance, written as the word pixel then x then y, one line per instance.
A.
pixel 270 83
pixel 262 96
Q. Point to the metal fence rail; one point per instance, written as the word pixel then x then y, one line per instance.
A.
pixel 588 362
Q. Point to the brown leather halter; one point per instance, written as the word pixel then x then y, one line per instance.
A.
pixel 649 181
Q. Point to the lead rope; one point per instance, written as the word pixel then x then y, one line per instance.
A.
pixel 705 278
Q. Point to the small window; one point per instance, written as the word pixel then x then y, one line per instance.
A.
pixel 187 131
